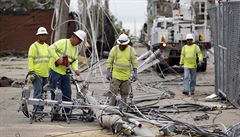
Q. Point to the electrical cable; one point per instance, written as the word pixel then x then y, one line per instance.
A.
pixel 155 114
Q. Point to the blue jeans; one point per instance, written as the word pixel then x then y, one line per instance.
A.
pixel 38 84
pixel 63 83
pixel 189 81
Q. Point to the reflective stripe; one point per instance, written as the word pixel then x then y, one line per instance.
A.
pixel 29 56
pixel 76 51
pixel 130 57
pixel 195 51
pixel 40 62
pixel 121 65
pixel 110 56
pixel 37 49
pixel 190 58
pixel 57 51
pixel 38 53
pixel 116 57
pixel 65 51
pixel 39 57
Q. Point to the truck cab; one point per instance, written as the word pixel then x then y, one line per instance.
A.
pixel 168 33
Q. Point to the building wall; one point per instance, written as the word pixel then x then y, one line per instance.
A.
pixel 18 32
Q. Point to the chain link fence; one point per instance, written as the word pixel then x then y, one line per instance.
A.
pixel 225 27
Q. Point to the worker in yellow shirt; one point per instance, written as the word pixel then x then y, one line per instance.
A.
pixel 120 62
pixel 38 59
pixel 189 54
pixel 63 56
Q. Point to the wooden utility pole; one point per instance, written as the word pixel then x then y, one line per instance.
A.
pixel 62 15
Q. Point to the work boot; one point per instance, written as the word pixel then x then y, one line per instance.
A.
pixel 112 101
pixel 124 105
pixel 185 92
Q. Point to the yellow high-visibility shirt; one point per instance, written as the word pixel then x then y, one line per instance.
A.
pixel 38 59
pixel 121 62
pixel 61 48
pixel 189 56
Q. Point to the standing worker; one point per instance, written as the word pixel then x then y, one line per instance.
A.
pixel 38 59
pixel 188 60
pixel 63 55
pixel 120 61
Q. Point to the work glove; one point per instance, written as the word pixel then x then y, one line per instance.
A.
pixel 133 77
pixel 181 65
pixel 59 61
pixel 32 76
pixel 77 72
pixel 62 61
pixel 31 72
pixel 109 76
pixel 199 64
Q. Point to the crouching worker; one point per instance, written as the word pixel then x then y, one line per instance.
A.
pixel 120 61
pixel 63 56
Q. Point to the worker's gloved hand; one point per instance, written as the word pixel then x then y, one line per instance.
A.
pixel 33 77
pixel 199 64
pixel 31 72
pixel 109 75
pixel 62 61
pixel 181 65
pixel 77 72
pixel 133 77
pixel 65 61
pixel 59 61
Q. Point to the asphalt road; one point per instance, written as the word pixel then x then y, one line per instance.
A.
pixel 15 124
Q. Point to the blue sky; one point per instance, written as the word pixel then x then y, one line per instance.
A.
pixel 130 11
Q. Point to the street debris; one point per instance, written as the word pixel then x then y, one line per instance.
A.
pixel 5 82
pixel 202 117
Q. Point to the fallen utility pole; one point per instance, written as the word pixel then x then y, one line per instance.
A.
pixel 152 58
pixel 115 120
pixel 109 117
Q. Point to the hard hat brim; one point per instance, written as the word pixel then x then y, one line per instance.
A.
pixel 123 43
pixel 41 33
pixel 78 36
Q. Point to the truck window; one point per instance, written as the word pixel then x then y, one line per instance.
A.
pixel 169 24
pixel 160 25
pixel 202 7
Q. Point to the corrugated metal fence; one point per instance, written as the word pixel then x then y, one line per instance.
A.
pixel 225 19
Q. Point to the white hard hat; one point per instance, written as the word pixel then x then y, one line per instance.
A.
pixel 189 36
pixel 123 39
pixel 41 30
pixel 80 34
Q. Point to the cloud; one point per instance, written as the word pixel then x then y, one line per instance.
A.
pixel 129 11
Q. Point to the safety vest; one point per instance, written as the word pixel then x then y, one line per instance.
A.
pixel 121 62
pixel 62 48
pixel 189 56
pixel 38 59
